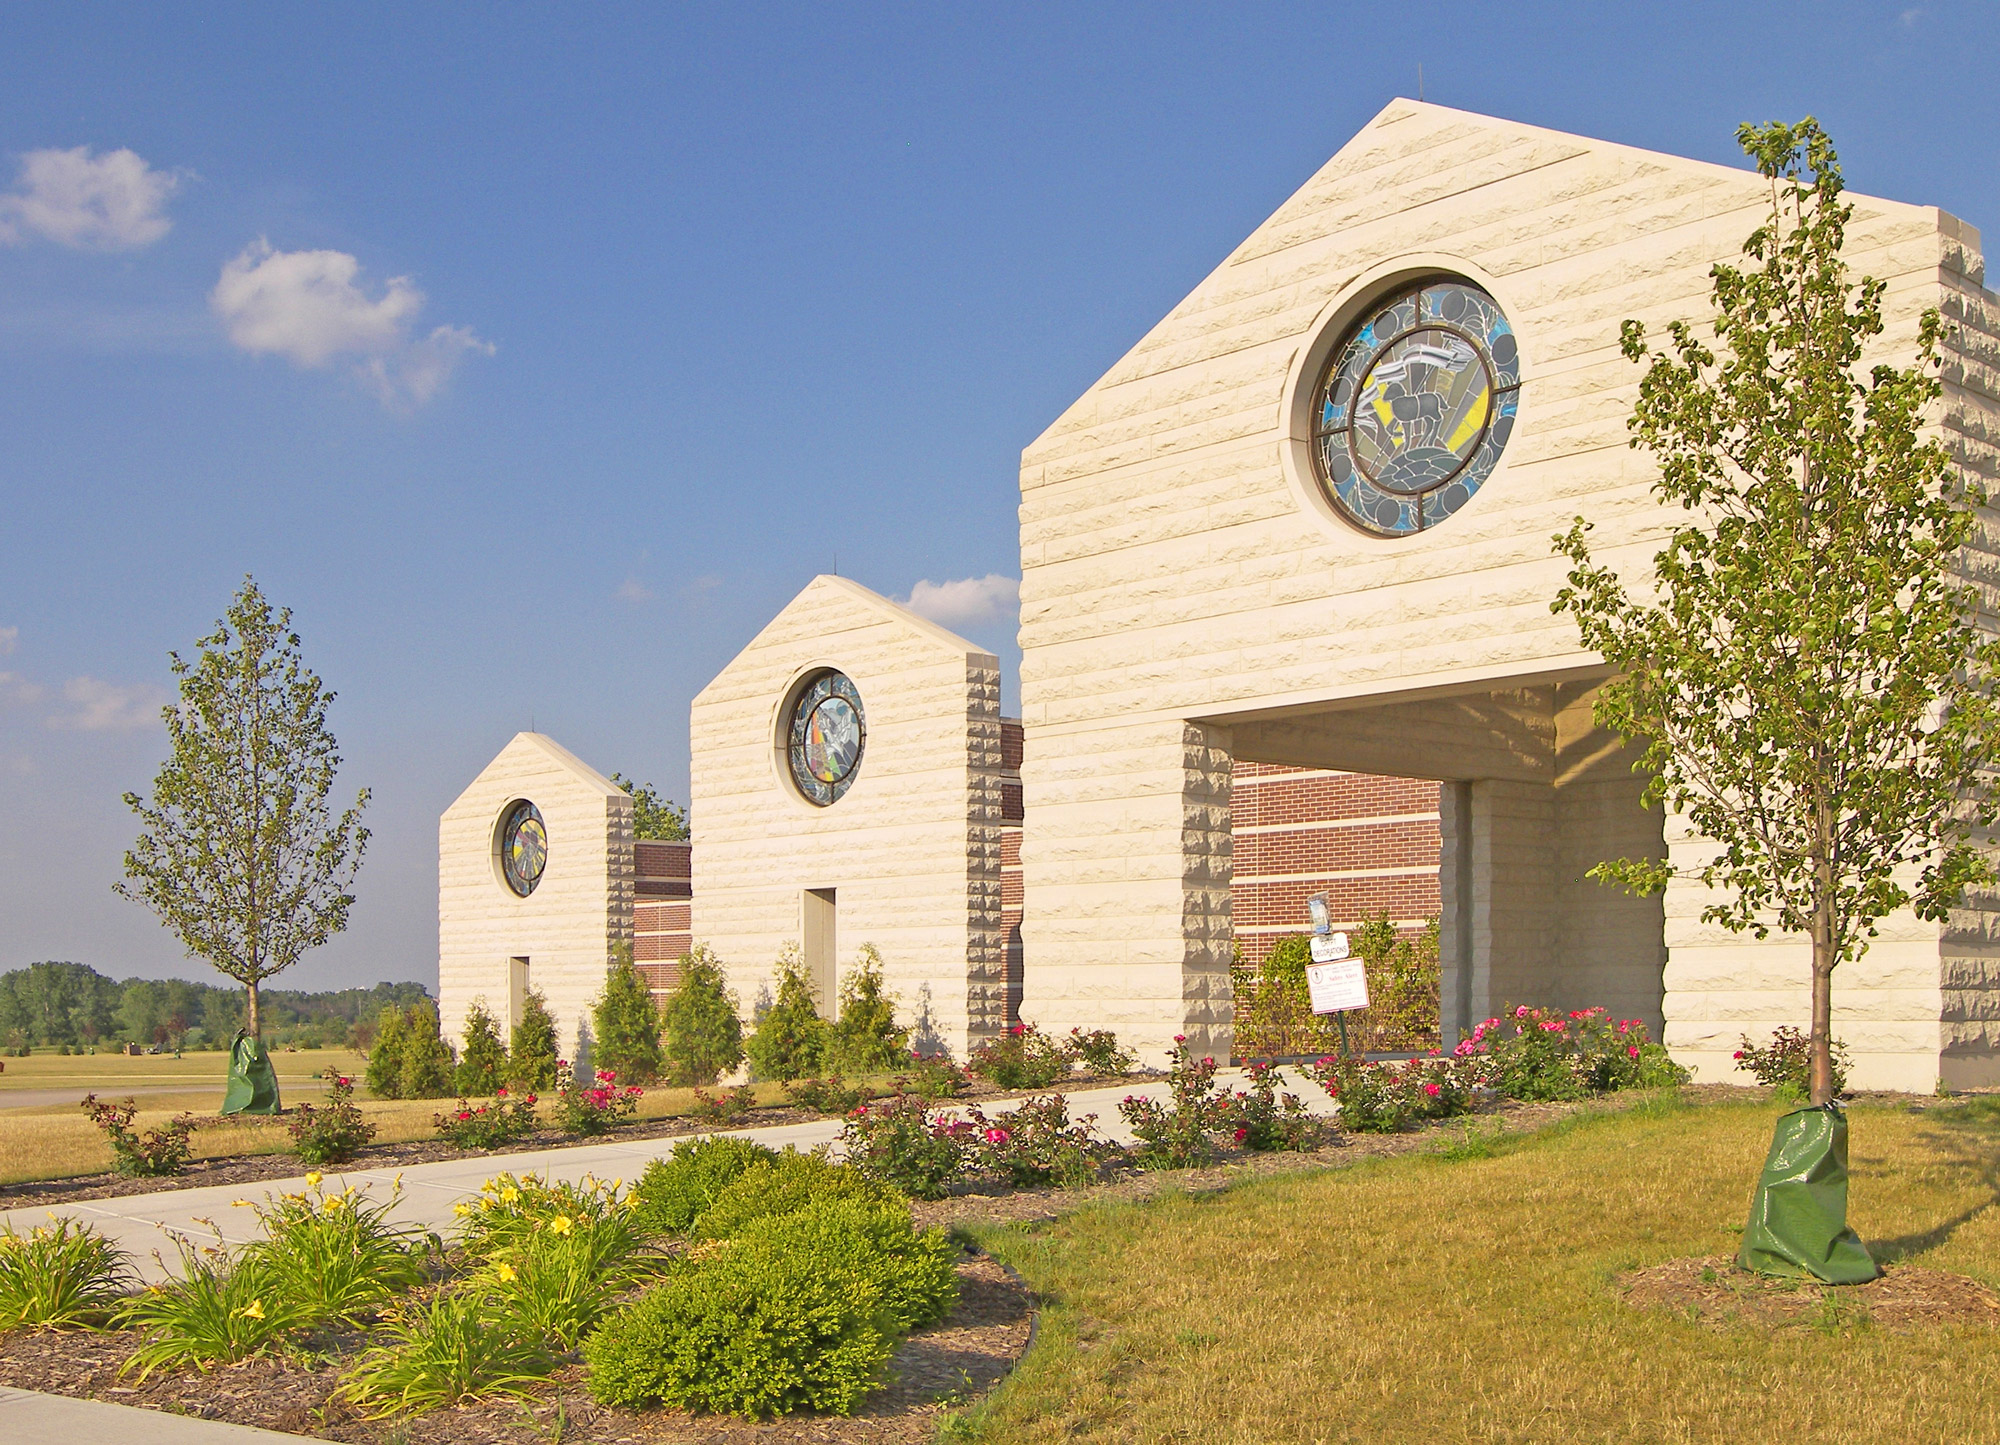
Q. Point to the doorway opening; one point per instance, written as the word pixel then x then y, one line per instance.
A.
pixel 819 930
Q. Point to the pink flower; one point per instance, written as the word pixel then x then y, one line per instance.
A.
pixel 1433 1090
pixel 996 1136
pixel 1241 1135
pixel 1551 1026
pixel 1633 1051
pixel 465 1113
pixel 1208 1063
pixel 1737 1055
pixel 501 1092
pixel 1521 1012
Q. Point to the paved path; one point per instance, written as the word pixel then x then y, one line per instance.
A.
pixel 138 1223
pixel 42 1098
pixel 26 1415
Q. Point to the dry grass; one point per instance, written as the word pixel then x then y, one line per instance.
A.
pixel 1473 1298
pixel 109 1073
pixel 56 1141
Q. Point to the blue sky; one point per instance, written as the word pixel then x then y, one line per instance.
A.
pixel 535 356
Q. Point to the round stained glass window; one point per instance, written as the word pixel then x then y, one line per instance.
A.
pixel 824 737
pixel 524 848
pixel 1414 409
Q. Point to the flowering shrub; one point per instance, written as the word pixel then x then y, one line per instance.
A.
pixel 935 1076
pixel 831 1095
pixel 901 1142
pixel 1098 1052
pixel 1786 1062
pixel 510 1207
pixel 1265 1119
pixel 721 1108
pixel 335 1257
pixel 1022 1058
pixel 154 1153
pixel 1384 1097
pixel 488 1126
pixel 555 1278
pixel 1036 1145
pixel 1544 1054
pixel 593 1109
pixel 1175 1136
pixel 332 1134
pixel 59 1276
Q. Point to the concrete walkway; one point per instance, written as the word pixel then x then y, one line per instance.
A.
pixel 26 1415
pixel 138 1223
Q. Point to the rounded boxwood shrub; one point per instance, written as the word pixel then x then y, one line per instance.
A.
pixel 674 1191
pixel 756 1327
pixel 785 1185
pixel 913 1271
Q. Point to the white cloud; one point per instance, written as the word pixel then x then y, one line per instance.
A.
pixel 112 202
pixel 109 706
pixel 307 307
pixel 966 600
pixel 8 637
pixel 634 591
pixel 17 690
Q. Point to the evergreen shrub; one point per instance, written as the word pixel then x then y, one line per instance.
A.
pixel 791 1040
pixel 531 1051
pixel 482 1068
pixel 785 1185
pixel 865 1038
pixel 703 1037
pixel 673 1192
pixel 627 1023
pixel 913 1269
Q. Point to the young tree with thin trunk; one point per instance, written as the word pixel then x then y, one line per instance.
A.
pixel 239 852
pixel 1808 679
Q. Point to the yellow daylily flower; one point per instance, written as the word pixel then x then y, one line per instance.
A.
pixel 461 1209
pixel 561 1224
pixel 253 1311
pixel 509 1195
pixel 313 1179
pixel 233 1204
pixel 505 1271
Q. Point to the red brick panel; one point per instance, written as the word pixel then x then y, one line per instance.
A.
pixel 1320 799
pixel 1332 850
pixel 1400 895
pixel 1011 739
pixel 652 859
pixel 1010 847
pixel 1011 810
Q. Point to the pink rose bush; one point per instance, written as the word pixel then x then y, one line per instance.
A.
pixel 595 1107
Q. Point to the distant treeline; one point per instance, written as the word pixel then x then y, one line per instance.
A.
pixel 52 1004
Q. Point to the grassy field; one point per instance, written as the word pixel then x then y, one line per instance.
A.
pixel 56 1141
pixel 1470 1298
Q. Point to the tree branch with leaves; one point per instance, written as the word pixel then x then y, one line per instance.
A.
pixel 1808 680
pixel 240 853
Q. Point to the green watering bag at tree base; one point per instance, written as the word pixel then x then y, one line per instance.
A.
pixel 253 1083
pixel 1798 1216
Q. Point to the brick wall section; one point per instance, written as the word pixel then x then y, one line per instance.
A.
pixel 1369 843
pixel 662 910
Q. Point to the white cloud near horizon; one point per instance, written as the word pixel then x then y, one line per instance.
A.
pixel 8 637
pixel 109 202
pixel 306 306
pixel 17 690
pixel 966 601
pixel 109 706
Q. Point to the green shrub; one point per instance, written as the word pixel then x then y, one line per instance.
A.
pixel 532 1052
pixel 831 1095
pixel 426 1061
pixel 334 1133
pixel 154 1153
pixel 59 1276
pixel 334 1257
pixel 1262 1118
pixel 1098 1052
pixel 785 1185
pixel 865 1036
pixel 592 1108
pixel 1022 1058
pixel 385 1056
pixel 913 1270
pixel 219 1308
pixel 935 1076
pixel 674 1191
pixel 488 1126
pixel 1785 1063
pixel 482 1068
pixel 555 1281
pixel 1037 1145
pixel 721 1108
pixel 1175 1135
pixel 459 1346
pixel 791 1039
pixel 754 1328
pixel 702 1038
pixel 627 1023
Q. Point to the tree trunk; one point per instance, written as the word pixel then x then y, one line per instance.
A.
pixel 257 1031
pixel 1822 1003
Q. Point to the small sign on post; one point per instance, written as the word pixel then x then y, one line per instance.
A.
pixel 1338 986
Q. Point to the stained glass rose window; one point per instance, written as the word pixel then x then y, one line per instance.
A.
pixel 1416 406
pixel 825 735
pixel 524 848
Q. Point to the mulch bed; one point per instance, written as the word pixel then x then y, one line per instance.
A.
pixel 1714 1292
pixel 243 1169
pixel 955 1360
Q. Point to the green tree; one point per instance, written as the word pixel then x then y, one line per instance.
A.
pixel 482 1068
pixel 703 1035
pixel 239 853
pixel 865 1038
pixel 427 1059
pixel 385 1059
pixel 790 1040
pixel 1808 683
pixel 654 818
pixel 627 1023
pixel 531 1050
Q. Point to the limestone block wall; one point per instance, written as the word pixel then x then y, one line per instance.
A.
pixel 577 915
pixel 1180 568
pixel 911 851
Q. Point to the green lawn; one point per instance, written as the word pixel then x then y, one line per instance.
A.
pixel 1470 1299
